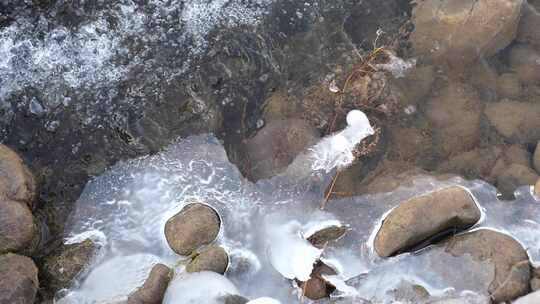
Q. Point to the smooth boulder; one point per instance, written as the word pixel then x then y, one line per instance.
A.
pixel 462 31
pixel 18 231
pixel 18 279
pixel 16 180
pixel 213 258
pixel 421 218
pixel 509 258
pixel 194 226
pixel 153 289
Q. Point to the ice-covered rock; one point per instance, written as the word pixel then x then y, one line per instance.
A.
pixel 201 287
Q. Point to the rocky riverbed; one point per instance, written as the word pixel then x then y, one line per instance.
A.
pixel 437 205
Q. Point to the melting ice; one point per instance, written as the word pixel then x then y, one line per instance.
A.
pixel 264 226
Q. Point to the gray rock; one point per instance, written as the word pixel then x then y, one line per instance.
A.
pixel 519 122
pixel 194 226
pixel 65 263
pixel 18 279
pixel 154 287
pixel 213 258
pixel 529 24
pixel 509 258
pixel 18 231
pixel 420 218
pixel 233 299
pixel 463 31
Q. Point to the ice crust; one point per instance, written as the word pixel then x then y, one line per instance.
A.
pixel 264 227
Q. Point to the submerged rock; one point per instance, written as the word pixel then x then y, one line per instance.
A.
pixel 535 280
pixel 525 61
pixel 194 226
pixel 509 258
pixel 424 217
pixel 536 158
pixel 529 24
pixel 509 86
pixel 514 176
pixel 519 122
pixel 276 145
pixel 213 258
pixel 18 279
pixel 18 231
pixel 154 287
pixel 16 181
pixel 322 237
pixel 64 264
pixel 463 31
pixel 233 299
pixel 455 114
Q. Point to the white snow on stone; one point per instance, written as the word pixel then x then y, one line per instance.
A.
pixel 200 287
pixel 336 150
pixel 291 254
pixel 264 300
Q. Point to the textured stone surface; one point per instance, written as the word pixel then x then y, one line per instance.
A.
pixel 519 122
pixel 16 181
pixel 213 258
pixel 64 264
pixel 423 217
pixel 18 232
pixel 154 287
pixel 511 262
pixel 462 30
pixel 194 226
pixel 18 279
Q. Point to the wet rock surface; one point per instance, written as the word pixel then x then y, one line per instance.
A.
pixel 18 231
pixel 537 188
pixel 455 114
pixel 523 59
pixel 196 225
pixel 518 122
pixel 421 218
pixel 463 31
pixel 59 269
pixel 511 262
pixel 514 176
pixel 276 145
pixel 18 279
pixel 317 287
pixel 16 180
pixel 536 158
pixel 213 258
pixel 154 287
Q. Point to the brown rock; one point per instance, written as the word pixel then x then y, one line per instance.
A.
pixel 196 225
pixel 463 31
pixel 519 122
pixel 213 258
pixel 421 218
pixel 537 188
pixel 16 181
pixel 514 176
pixel 529 24
pixel 64 264
pixel 18 231
pixel 233 299
pixel 416 85
pixel 277 144
pixel 18 279
pixel 455 115
pixel 525 61
pixel 517 154
pixel 511 262
pixel 536 158
pixel 154 287
pixel 509 86
pixel 316 287
pixel 535 280
pixel 321 238
pixel 477 163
